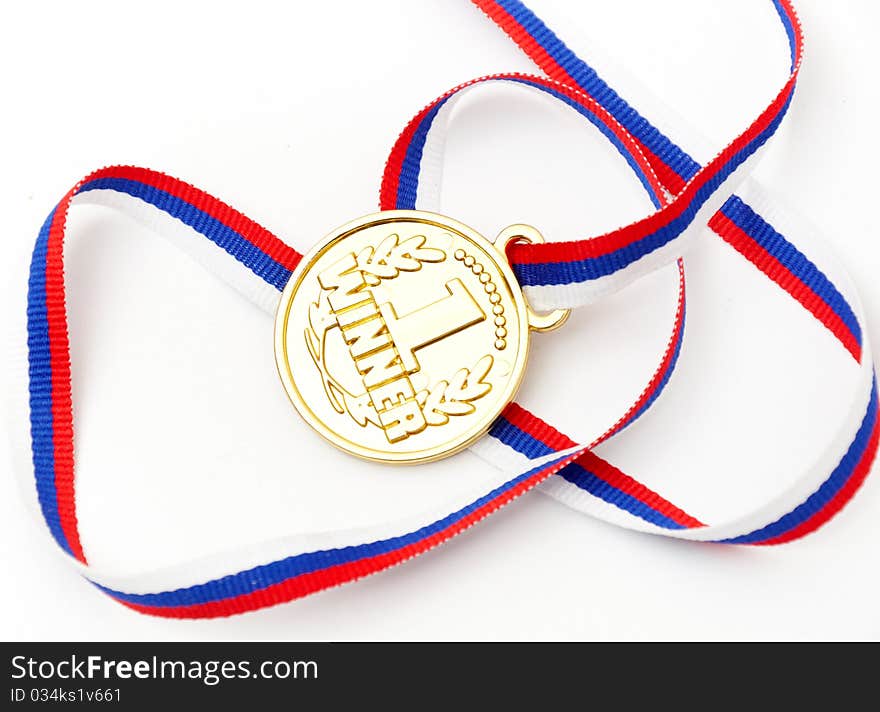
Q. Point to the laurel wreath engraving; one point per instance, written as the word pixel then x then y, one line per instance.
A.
pixel 456 396
pixel 341 399
pixel 391 257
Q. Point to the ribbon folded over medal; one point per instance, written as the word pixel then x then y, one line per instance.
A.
pixel 403 335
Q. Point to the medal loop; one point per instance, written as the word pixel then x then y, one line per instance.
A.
pixel 540 322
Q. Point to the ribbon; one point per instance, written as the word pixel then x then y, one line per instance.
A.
pixel 525 450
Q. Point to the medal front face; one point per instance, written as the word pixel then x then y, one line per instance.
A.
pixel 402 336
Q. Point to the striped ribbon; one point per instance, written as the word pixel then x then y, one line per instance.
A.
pixel 526 451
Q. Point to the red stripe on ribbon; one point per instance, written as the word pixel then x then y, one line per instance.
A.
pixel 575 250
pixel 59 358
pixel 665 365
pixel 607 472
pixel 305 584
pixel 394 164
pixel 844 495
pixel 397 157
pixel 673 182
pixel 755 253
pixel 251 231
pixel 525 41
pixel 542 431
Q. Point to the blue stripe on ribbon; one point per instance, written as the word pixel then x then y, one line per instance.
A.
pixel 261 577
pixel 794 260
pixel 606 131
pixel 521 441
pixel 580 477
pixel 788 24
pixel 826 492
pixel 408 182
pixel 591 83
pixel 666 375
pixel 590 268
pixel 533 448
pixel 223 236
pixel 589 482
pixel 40 388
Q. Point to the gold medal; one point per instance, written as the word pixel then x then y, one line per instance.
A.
pixel 403 335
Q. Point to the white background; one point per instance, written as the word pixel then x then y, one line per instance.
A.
pixel 185 445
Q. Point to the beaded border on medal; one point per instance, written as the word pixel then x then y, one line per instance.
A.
pixel 491 289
